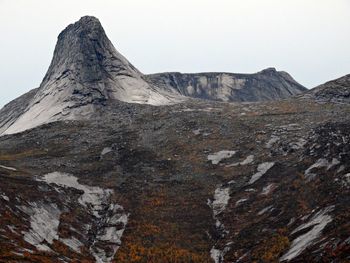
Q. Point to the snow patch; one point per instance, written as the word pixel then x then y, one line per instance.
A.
pixel 262 169
pixel 318 222
pixel 219 156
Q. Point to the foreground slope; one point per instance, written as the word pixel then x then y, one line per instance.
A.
pixel 196 182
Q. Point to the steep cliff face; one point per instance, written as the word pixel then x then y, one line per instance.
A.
pixel 265 85
pixel 85 73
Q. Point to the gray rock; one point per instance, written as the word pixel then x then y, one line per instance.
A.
pixel 265 85
pixel 337 91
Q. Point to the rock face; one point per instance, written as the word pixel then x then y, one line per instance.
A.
pixel 85 73
pixel 265 85
pixel 337 90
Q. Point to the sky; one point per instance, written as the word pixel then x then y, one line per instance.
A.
pixel 310 39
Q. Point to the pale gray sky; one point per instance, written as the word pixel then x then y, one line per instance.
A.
pixel 310 39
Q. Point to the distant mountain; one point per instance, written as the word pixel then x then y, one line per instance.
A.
pixel 337 90
pixel 87 72
pixel 265 85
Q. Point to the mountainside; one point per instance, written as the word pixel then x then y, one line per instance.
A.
pixel 191 182
pixel 337 91
pixel 266 85
pixel 100 179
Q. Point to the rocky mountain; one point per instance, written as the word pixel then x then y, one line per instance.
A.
pixel 337 90
pixel 265 85
pixel 190 180
pixel 87 73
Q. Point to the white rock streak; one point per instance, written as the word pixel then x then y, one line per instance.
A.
pixel 318 222
pixel 8 168
pixel 248 160
pixel 262 169
pixel 272 141
pixel 219 156
pixel 5 197
pixel 221 199
pixel 72 243
pixel 110 218
pixel 320 163
pixel 44 222
pixel 106 150
pixel 267 189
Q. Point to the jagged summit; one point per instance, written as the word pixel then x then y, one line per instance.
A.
pixel 84 49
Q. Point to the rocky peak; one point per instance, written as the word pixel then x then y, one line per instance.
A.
pixel 86 73
pixel 83 49
pixel 270 70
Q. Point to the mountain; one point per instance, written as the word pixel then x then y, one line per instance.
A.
pixel 87 72
pixel 337 91
pixel 195 180
pixel 265 85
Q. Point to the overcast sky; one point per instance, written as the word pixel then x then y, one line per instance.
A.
pixel 310 39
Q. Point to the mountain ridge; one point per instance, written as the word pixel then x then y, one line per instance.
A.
pixel 87 72
pixel 265 85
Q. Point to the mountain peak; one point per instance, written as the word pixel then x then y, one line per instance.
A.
pixel 85 73
pixel 81 46
pixel 89 23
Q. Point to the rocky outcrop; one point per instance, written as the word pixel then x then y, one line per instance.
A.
pixel 337 91
pixel 265 85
